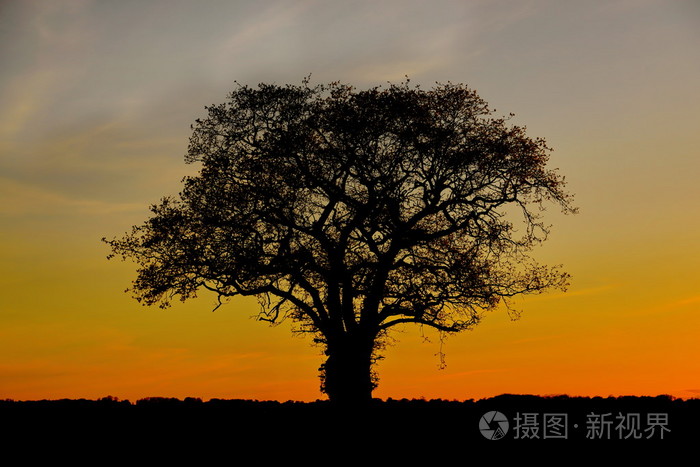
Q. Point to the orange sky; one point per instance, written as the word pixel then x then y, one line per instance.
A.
pixel 97 99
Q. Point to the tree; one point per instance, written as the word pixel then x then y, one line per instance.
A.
pixel 351 212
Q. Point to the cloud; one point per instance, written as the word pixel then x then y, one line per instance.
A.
pixel 394 70
pixel 461 374
pixel 263 25
pixel 24 97
pixel 576 293
pixel 688 301
pixel 18 198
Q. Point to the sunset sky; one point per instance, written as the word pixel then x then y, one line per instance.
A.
pixel 96 102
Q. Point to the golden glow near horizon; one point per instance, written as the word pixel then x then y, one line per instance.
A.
pixel 97 99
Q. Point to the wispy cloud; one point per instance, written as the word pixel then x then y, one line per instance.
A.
pixel 688 301
pixel 23 98
pixel 589 291
pixel 17 198
pixel 679 304
pixel 260 27
pixel 548 338
pixel 462 374
pixel 394 70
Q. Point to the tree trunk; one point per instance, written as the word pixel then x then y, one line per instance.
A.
pixel 346 376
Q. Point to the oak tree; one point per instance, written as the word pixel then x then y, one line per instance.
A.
pixel 351 212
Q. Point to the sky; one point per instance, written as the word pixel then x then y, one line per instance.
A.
pixel 96 102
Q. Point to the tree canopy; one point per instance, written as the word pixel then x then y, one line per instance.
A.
pixel 353 211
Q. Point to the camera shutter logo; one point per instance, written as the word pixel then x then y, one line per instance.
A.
pixel 493 425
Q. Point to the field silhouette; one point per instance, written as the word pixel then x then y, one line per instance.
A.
pixel 533 422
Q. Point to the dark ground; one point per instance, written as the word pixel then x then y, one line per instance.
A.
pixel 390 429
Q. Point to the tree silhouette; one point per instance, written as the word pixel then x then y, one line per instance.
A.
pixel 351 212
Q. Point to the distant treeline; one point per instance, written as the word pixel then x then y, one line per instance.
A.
pixel 506 398
pixel 508 419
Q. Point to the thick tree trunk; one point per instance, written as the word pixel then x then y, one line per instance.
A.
pixel 346 376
